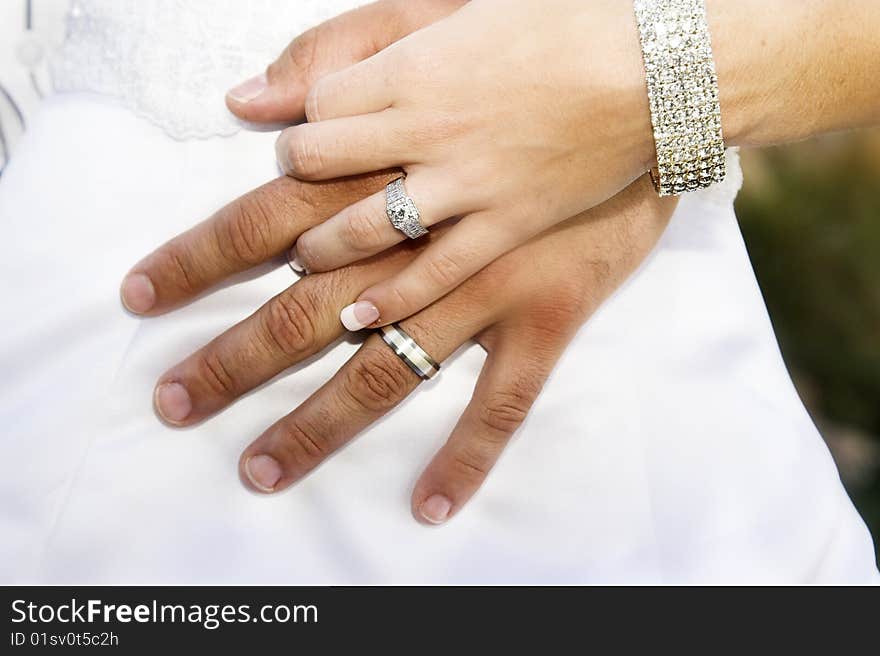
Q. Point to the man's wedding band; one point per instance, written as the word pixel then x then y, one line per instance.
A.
pixel 412 354
pixel 402 210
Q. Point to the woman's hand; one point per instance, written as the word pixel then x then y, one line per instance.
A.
pixel 510 115
pixel 523 309
pixel 518 114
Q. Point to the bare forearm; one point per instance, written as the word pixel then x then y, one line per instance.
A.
pixel 791 69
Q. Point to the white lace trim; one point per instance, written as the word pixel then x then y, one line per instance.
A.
pixel 172 61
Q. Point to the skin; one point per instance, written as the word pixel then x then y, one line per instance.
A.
pixel 523 321
pixel 501 303
pixel 518 114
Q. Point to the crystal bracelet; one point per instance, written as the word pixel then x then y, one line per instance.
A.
pixel 682 93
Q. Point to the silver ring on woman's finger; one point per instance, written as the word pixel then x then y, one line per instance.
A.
pixel 412 354
pixel 402 210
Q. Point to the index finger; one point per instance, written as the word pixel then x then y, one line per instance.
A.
pixel 259 226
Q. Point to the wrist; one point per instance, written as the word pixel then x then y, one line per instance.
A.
pixel 803 68
pixel 752 55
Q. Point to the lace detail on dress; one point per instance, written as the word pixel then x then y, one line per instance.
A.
pixel 172 61
pixel 724 192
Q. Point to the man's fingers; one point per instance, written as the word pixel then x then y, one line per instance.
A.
pixel 278 95
pixel 260 225
pixel 291 327
pixel 368 386
pixel 465 249
pixel 345 146
pixel 364 229
pixel 512 377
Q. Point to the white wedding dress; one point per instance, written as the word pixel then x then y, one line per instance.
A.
pixel 669 445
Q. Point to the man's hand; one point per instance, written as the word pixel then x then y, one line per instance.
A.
pixel 278 95
pixel 524 309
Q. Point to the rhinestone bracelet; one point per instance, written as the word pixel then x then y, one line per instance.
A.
pixel 682 93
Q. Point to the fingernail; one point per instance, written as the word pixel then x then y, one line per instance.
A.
pixel 294 261
pixel 263 472
pixel 249 89
pixel 436 508
pixel 138 293
pixel 359 315
pixel 173 402
pixel 281 153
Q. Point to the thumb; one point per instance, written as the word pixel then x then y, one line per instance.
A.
pixel 278 95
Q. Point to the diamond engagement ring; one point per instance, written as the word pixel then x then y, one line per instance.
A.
pixel 402 210
pixel 412 354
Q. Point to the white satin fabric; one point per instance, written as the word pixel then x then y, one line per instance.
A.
pixel 668 446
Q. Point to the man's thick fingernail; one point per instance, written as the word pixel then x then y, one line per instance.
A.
pixel 263 472
pixel 173 402
pixel 359 315
pixel 435 508
pixel 249 89
pixel 294 261
pixel 138 293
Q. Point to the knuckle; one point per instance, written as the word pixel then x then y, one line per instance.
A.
pixel 503 412
pixel 177 264
pixel 244 236
pixel 376 382
pixel 439 130
pixel 469 464
pixel 397 302
pixel 213 371
pixel 305 446
pixel 444 271
pixel 559 313
pixel 289 321
pixel 304 154
pixel 299 56
pixel 359 230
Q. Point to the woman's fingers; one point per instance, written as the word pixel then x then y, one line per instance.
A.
pixel 364 229
pixel 294 325
pixel 472 244
pixel 363 88
pixel 345 146
pixel 367 387
pixel 512 377
pixel 260 225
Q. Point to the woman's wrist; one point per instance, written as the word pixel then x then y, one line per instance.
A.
pixel 795 70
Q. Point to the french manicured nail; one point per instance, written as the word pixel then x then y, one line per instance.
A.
pixel 263 472
pixel 436 508
pixel 173 402
pixel 249 89
pixel 294 261
pixel 359 315
pixel 138 293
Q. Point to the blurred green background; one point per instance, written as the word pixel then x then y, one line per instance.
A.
pixel 810 215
